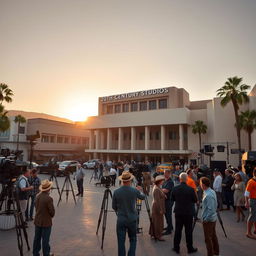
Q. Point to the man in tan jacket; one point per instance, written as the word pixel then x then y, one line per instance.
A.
pixel 43 219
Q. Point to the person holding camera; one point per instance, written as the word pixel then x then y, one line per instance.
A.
pixel 123 203
pixel 23 189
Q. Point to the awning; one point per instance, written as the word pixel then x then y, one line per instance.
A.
pixel 48 155
pixel 66 154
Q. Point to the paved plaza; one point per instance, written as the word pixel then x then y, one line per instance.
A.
pixel 74 229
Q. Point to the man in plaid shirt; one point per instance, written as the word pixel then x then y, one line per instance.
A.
pixel 34 181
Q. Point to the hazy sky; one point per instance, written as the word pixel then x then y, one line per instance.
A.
pixel 59 56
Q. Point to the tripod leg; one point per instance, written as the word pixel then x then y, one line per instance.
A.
pixel 61 192
pixel 57 185
pixel 18 225
pixel 101 211
pixel 91 177
pixel 72 190
pixel 105 215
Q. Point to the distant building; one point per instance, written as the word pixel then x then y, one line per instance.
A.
pixel 156 125
pixel 58 141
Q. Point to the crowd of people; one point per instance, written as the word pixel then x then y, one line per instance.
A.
pixel 179 191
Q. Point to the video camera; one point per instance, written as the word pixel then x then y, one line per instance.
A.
pixel 10 169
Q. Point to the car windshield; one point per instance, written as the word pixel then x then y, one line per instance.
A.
pixel 65 163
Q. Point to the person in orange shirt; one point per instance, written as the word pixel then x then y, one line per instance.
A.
pixel 250 202
pixel 191 183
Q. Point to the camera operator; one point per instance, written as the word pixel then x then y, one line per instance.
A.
pixel 124 201
pixel 23 189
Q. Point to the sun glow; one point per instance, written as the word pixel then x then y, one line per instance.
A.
pixel 78 112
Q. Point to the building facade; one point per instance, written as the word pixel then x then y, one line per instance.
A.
pixel 156 125
pixel 58 140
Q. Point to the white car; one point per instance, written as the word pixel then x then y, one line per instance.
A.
pixel 34 164
pixel 63 165
pixel 91 163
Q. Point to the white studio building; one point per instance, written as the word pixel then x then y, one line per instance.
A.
pixel 156 125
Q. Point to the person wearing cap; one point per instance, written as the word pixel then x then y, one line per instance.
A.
pixel 217 187
pixel 124 204
pixel 43 220
pixel 184 198
pixel 158 209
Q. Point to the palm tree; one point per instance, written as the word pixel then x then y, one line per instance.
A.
pixel 4 120
pixel 247 121
pixel 5 93
pixel 200 128
pixel 20 120
pixel 234 91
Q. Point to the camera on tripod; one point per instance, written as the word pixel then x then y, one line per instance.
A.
pixel 10 169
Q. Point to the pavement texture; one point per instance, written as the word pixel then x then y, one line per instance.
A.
pixel 74 230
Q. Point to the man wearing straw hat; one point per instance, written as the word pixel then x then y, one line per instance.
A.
pixel 43 219
pixel 124 201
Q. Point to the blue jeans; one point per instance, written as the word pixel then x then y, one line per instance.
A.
pixel 30 210
pixel 42 233
pixel 122 227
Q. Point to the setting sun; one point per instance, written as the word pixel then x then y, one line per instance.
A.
pixel 78 112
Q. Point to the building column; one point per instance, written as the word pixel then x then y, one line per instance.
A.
pixel 133 138
pixel 102 139
pixel 120 138
pixel 163 137
pixel 181 137
pixel 109 139
pixel 97 139
pixel 147 139
pixel 91 139
pixel 162 158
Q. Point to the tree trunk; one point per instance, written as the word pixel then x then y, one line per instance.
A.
pixel 18 136
pixel 200 143
pixel 250 141
pixel 238 130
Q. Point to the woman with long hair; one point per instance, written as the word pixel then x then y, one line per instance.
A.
pixel 239 188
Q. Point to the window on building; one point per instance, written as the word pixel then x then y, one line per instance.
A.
pixel 73 140
pixel 60 139
pixel 104 109
pixel 45 138
pixel 157 135
pixel 117 108
pixel 116 136
pixel 172 135
pixel 52 138
pixel 125 107
pixel 84 140
pixel 162 103
pixel 109 109
pixel 22 130
pixel 152 104
pixel 151 136
pixel 125 136
pixel 134 106
pixel 66 140
pixel 79 140
pixel 143 105
pixel 142 136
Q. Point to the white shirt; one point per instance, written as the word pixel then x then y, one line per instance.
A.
pixel 23 181
pixel 113 171
pixel 217 184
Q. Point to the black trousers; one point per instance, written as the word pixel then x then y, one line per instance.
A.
pixel 80 186
pixel 186 221
pixel 168 215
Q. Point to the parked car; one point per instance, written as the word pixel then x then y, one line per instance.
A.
pixel 90 164
pixel 71 163
pixel 34 164
pixel 48 167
